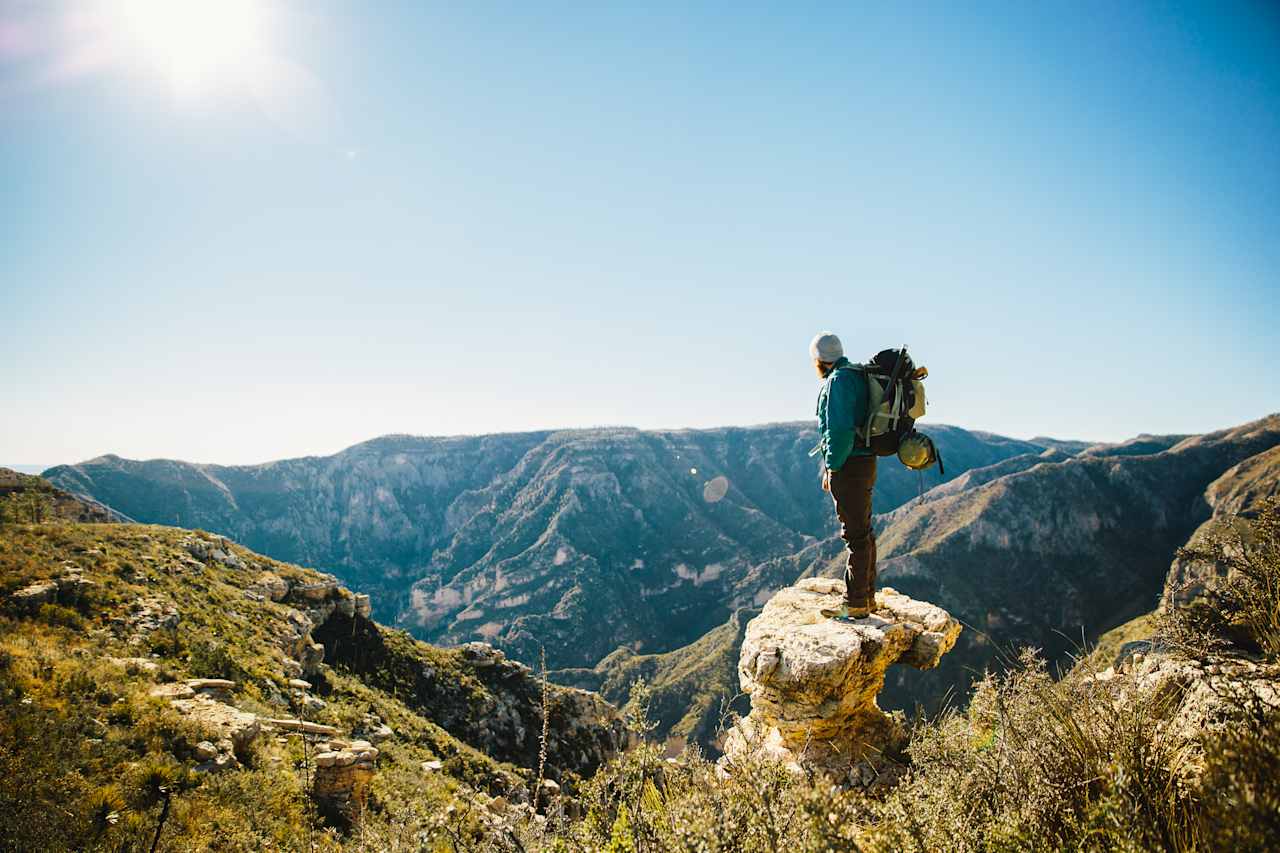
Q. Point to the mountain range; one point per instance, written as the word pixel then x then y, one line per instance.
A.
pixel 577 541
pixel 624 552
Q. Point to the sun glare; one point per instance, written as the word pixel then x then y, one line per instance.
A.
pixel 199 45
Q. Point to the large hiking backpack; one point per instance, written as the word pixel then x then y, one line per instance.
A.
pixel 895 399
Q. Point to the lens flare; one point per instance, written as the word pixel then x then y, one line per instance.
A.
pixel 199 45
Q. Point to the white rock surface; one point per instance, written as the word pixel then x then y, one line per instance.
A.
pixel 239 727
pixel 813 680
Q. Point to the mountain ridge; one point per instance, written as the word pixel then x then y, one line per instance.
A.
pixel 524 539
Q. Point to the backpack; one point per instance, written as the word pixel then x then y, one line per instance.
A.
pixel 895 399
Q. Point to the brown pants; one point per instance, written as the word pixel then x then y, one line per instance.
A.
pixel 851 489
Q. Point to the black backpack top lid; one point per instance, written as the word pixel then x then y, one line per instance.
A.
pixel 884 361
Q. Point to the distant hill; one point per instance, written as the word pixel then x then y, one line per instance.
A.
pixel 579 541
pixel 694 687
pixel 1042 549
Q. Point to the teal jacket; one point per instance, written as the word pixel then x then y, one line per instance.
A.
pixel 842 408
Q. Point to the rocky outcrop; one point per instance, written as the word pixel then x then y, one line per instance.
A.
pixel 478 695
pixel 69 587
pixel 1191 700
pixel 813 680
pixel 343 771
pixel 232 729
pixel 29 599
pixel 1232 499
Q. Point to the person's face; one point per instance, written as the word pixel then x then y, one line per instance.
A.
pixel 822 367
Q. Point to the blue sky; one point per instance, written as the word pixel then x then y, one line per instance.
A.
pixel 458 218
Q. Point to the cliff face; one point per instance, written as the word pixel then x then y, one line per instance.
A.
pixel 580 541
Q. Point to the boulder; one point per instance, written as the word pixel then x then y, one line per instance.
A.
pixel 481 655
pixel 29 598
pixel 215 688
pixel 232 724
pixel 152 614
pixel 317 591
pixel 311 657
pixel 813 680
pixel 213 552
pixel 363 605
pixel 135 664
pixel 73 586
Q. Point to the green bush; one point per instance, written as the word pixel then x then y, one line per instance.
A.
pixel 1242 608
pixel 210 659
pixel 64 617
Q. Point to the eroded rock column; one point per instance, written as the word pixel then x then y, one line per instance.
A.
pixel 813 680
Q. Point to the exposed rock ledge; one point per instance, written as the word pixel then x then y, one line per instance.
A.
pixel 813 680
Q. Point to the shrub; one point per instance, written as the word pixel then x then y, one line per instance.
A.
pixel 1241 785
pixel 209 659
pixel 1042 764
pixel 1242 607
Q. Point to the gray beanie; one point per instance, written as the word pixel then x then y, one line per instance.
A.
pixel 825 346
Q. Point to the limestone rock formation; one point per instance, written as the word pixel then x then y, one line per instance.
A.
pixel 343 771
pixel 228 723
pixel 813 680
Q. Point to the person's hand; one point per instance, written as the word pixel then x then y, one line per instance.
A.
pixel 826 481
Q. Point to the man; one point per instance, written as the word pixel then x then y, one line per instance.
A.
pixel 849 469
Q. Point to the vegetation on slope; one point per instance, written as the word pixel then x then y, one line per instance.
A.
pixel 692 689
pixel 95 617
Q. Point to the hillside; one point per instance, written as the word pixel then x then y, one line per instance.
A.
pixel 133 653
pixel 694 688
pixel 26 498
pixel 1232 499
pixel 1053 556
pixel 577 541
pixel 1043 550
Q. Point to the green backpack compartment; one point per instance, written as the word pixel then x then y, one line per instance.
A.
pixel 895 400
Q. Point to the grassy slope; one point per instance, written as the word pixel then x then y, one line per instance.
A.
pixel 79 723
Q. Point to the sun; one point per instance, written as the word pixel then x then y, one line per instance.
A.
pixel 200 46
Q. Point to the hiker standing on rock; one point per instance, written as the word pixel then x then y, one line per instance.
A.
pixel 849 470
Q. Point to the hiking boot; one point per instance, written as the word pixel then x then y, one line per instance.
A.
pixel 847 612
